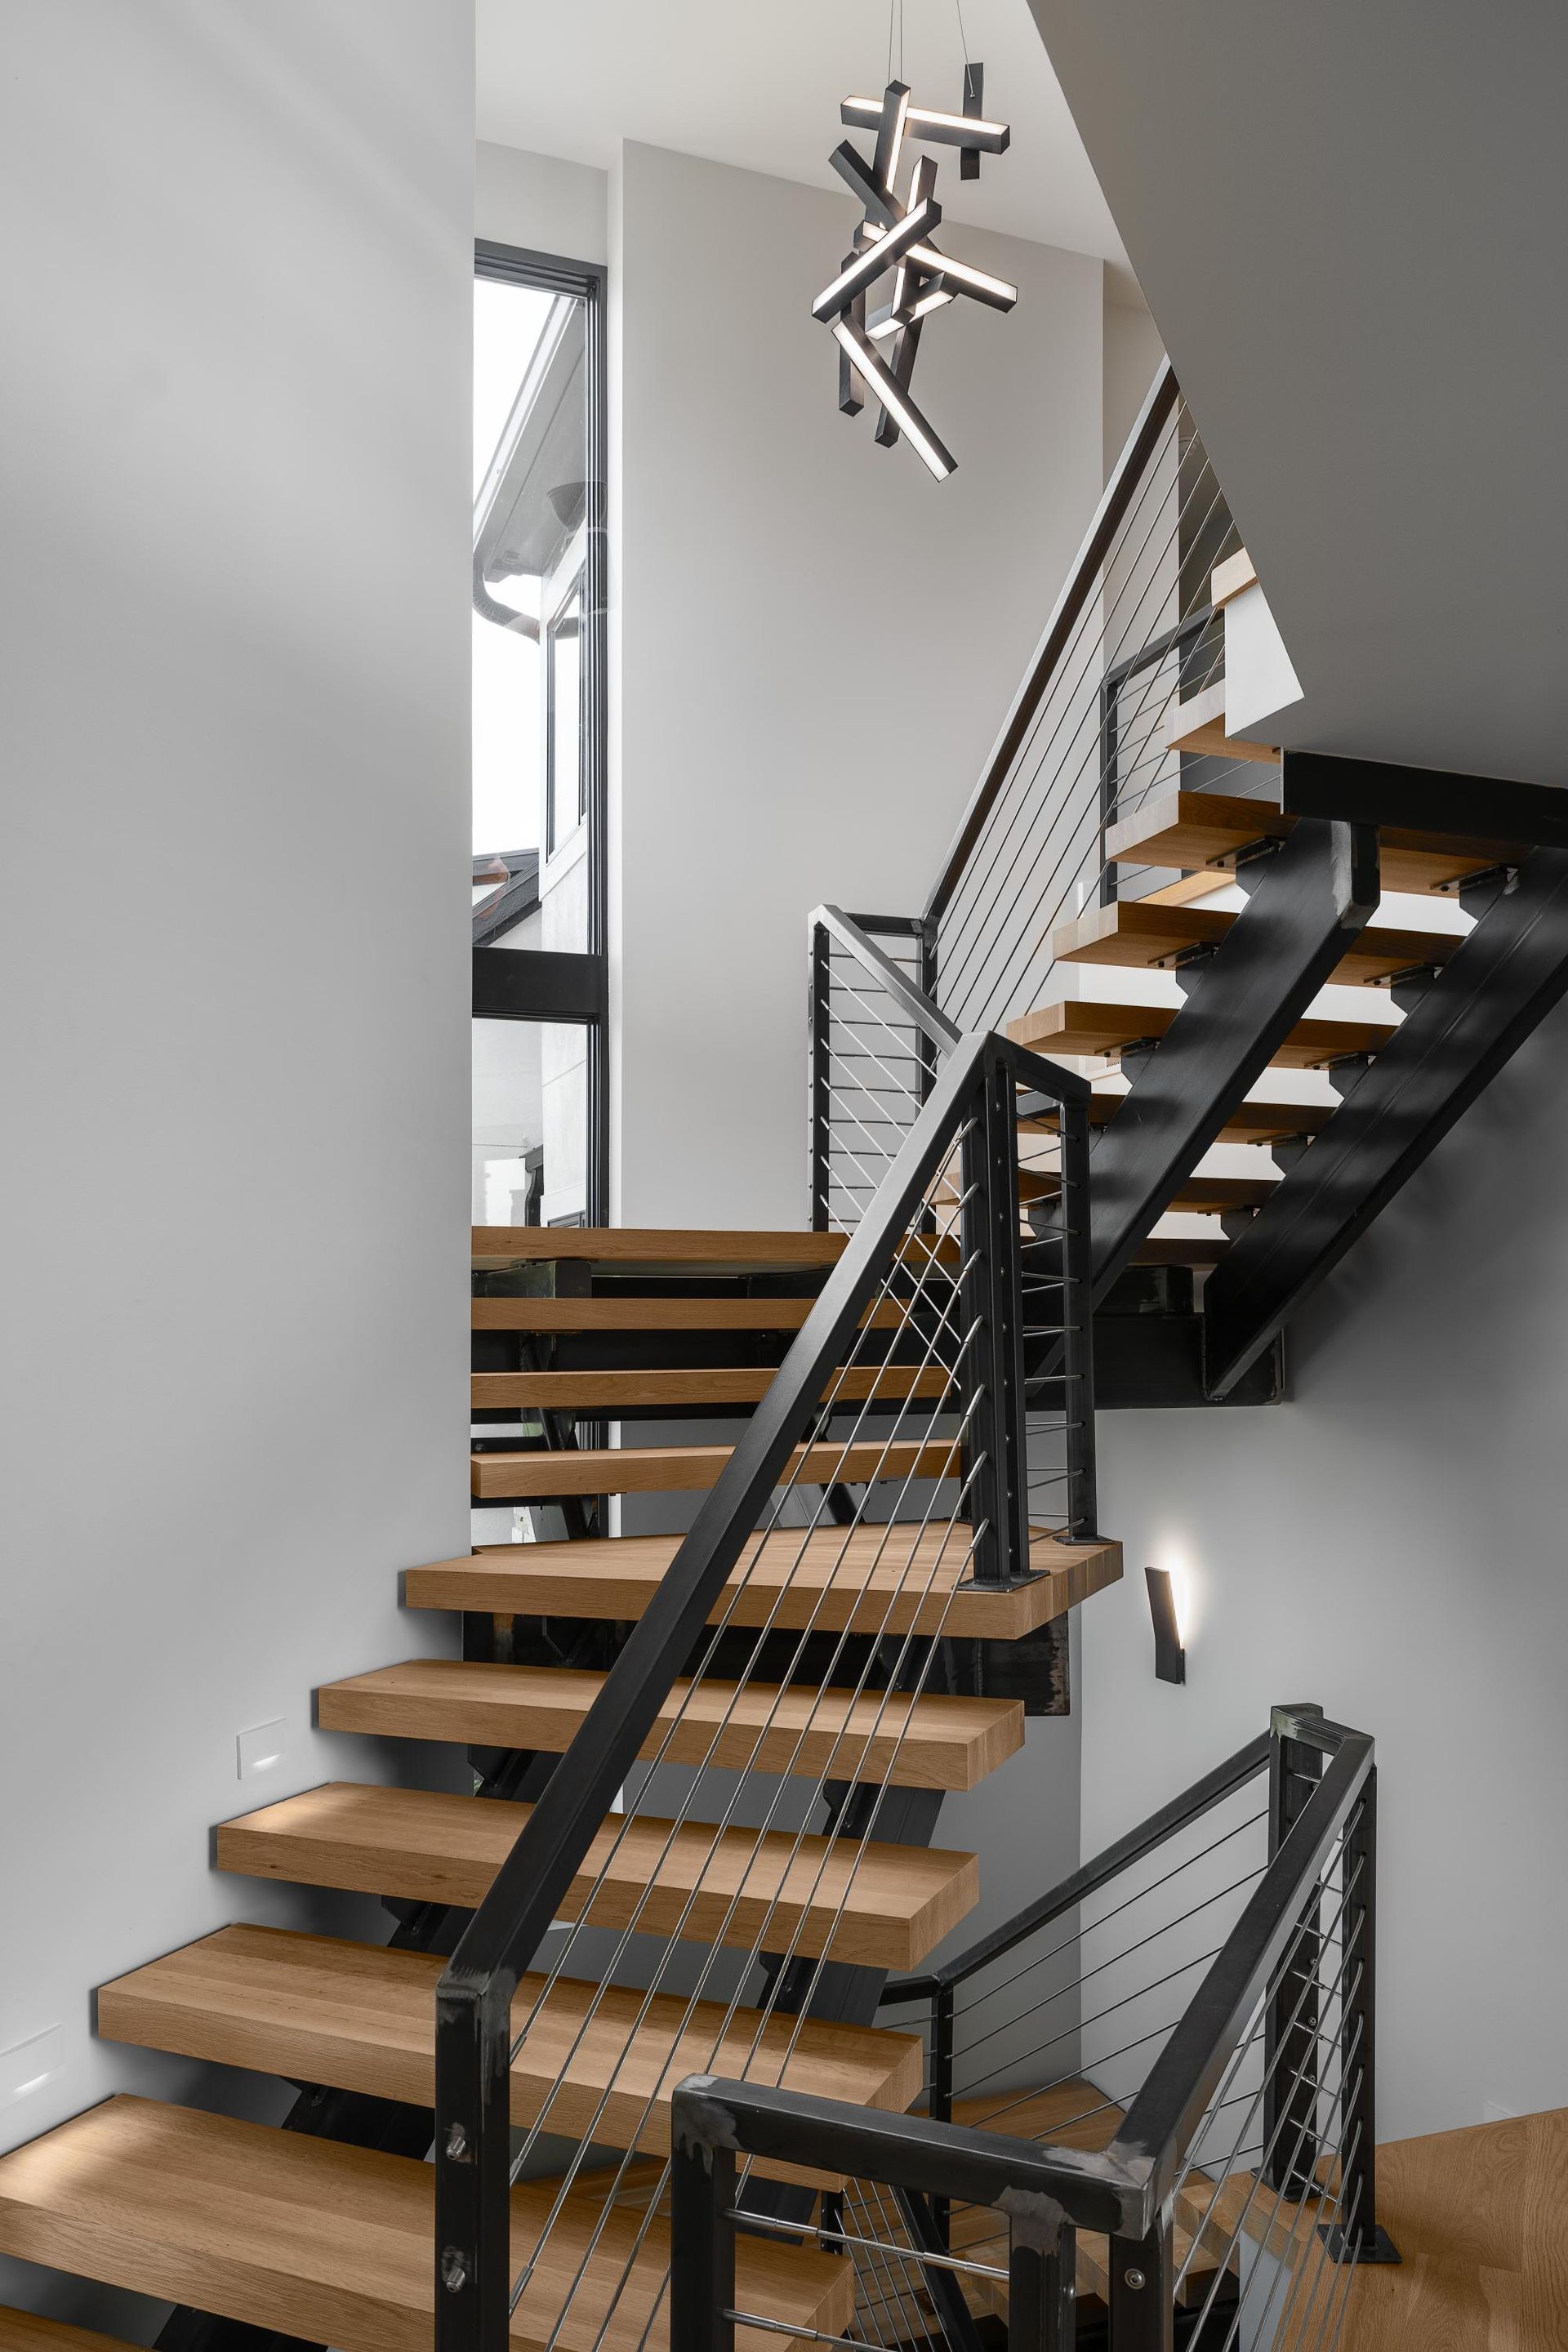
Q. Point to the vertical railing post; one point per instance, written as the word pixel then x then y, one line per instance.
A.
pixel 928 983
pixel 820 1012
pixel 702 2246
pixel 1078 1317
pixel 1109 782
pixel 995 1463
pixel 473 2166
pixel 1142 2308
pixel 943 2010
pixel 1042 2265
pixel 1290 2053
pixel 1361 2235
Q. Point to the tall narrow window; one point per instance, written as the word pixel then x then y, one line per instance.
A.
pixel 540 1080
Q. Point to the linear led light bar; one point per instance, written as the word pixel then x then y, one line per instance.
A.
pixel 880 255
pixel 962 276
pixel 891 122
pixel 887 322
pixel 894 399
pixel 942 130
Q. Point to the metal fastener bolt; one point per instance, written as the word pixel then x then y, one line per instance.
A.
pixel 1133 2278
pixel 453 2271
pixel 457 2144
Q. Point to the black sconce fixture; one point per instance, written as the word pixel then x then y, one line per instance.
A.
pixel 1170 1658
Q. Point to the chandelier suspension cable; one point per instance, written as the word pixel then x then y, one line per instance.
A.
pixel 896 15
pixel 963 36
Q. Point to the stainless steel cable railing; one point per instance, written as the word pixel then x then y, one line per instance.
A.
pixel 1211 2174
pixel 874 1042
pixel 1088 740
pixel 795 1635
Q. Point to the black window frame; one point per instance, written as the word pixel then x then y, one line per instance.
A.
pixel 532 984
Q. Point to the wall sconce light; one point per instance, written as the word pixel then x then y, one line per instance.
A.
pixel 1170 1658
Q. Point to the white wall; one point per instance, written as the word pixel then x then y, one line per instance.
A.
pixel 235 249
pixel 1390 1543
pixel 1132 353
pixel 539 202
pixel 812 642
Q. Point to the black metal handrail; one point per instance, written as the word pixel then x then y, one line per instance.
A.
pixel 474 1998
pixel 1082 582
pixel 1190 1806
pixel 1048 2192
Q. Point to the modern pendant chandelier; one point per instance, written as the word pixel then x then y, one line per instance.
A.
pixel 876 346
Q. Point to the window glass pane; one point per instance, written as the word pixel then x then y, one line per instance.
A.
pixel 508 1123
pixel 530 1123
pixel 530 501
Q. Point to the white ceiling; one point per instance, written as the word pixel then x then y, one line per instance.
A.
pixel 760 86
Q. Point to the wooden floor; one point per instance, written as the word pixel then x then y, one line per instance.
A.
pixel 1480 2218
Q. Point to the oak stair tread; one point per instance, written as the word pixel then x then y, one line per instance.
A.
pixel 895 1579
pixel 1140 935
pixel 886 1909
pixel 673 1313
pixel 1071 2114
pixel 1201 1252
pixel 28 2331
pixel 1079 1027
pixel 362 2017
pixel 1198 726
pixel 334 2244
pixel 658 1249
pixel 1203 1196
pixel 1193 830
pixel 931 1742
pixel 1214 2212
pixel 675 1469
pixel 605 1392
pixel 1250 1122
pixel 695 1249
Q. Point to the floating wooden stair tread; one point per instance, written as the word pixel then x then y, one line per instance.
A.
pixel 363 2017
pixel 1215 2211
pixel 870 1580
pixel 675 1313
pixel 1071 2114
pixel 1250 1122
pixel 335 2245
pixel 1198 725
pixel 1110 1029
pixel 673 1469
pixel 1191 830
pixel 419 1846
pixel 935 1742
pixel 607 1393
pixel 1212 1195
pixel 1178 1249
pixel 23 2331
pixel 697 1250
pixel 1146 936
pixel 1216 1195
pixel 657 1249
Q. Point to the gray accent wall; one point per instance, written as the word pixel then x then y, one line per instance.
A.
pixel 1348 223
